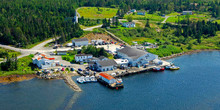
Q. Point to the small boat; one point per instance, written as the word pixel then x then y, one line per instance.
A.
pixel 93 79
pixel 174 68
pixel 81 81
pixel 158 69
pixel 87 79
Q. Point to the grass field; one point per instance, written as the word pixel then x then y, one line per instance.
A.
pixel 97 12
pixel 174 19
pixel 151 17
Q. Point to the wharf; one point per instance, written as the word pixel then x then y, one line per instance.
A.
pixel 68 80
pixel 135 70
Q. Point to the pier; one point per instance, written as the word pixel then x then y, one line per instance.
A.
pixel 68 80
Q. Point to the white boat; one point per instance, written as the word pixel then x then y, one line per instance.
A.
pixel 81 81
pixel 87 79
pixel 93 79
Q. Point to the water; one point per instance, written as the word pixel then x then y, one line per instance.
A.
pixel 195 86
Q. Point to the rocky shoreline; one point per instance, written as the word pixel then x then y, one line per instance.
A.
pixel 16 78
pixel 187 53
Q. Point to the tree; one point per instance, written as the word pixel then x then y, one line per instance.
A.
pixel 129 18
pixel 63 38
pixel 147 24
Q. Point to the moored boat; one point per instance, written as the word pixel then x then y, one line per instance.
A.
pixel 174 68
pixel 158 69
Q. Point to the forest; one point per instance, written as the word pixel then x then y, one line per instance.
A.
pixel 25 22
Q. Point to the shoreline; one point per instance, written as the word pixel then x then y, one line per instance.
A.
pixel 187 53
pixel 19 78
pixel 16 78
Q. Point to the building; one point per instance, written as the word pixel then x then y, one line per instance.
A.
pixel 80 42
pixel 107 78
pixel 141 13
pixel 121 62
pixel 44 62
pixel 128 24
pixel 133 10
pixel 187 12
pixel 83 57
pixel 105 65
pixel 75 19
pixel 135 56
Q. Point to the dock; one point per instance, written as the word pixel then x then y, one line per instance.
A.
pixel 68 80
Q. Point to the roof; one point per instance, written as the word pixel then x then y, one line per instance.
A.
pixel 129 23
pixel 105 63
pixel 132 52
pixel 84 55
pixel 141 12
pixel 106 76
pixel 101 57
pixel 80 40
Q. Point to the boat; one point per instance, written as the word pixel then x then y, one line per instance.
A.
pixel 174 68
pixel 110 81
pixel 81 81
pixel 93 79
pixel 158 69
pixel 87 79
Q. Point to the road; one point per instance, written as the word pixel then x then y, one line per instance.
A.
pixel 166 17
pixel 91 28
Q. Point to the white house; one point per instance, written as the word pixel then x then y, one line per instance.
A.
pixel 140 13
pixel 187 12
pixel 80 42
pixel 43 62
pixel 133 10
pixel 136 57
pixel 106 65
pixel 83 57
pixel 128 24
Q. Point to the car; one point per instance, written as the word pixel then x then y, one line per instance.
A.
pixel 71 69
pixel 79 69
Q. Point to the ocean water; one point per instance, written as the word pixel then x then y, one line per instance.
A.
pixel 196 86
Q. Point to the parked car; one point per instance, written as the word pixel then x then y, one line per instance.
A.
pixel 71 69
pixel 79 69
pixel 62 69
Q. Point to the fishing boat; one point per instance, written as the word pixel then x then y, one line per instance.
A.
pixel 158 69
pixel 174 68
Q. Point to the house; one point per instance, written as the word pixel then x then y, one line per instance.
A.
pixel 133 10
pixel 94 60
pixel 80 42
pixel 135 56
pixel 107 78
pixel 75 19
pixel 187 12
pixel 102 58
pixel 105 65
pixel 128 24
pixel 141 13
pixel 83 57
pixel 44 62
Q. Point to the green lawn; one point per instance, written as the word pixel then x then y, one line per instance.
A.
pixel 97 12
pixel 151 17
pixel 218 21
pixel 174 19
pixel 25 66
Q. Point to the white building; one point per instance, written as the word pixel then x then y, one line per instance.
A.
pixel 133 10
pixel 121 61
pixel 43 62
pixel 106 65
pixel 83 57
pixel 136 57
pixel 128 24
pixel 80 42
pixel 187 12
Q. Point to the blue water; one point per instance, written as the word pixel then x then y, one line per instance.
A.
pixel 196 86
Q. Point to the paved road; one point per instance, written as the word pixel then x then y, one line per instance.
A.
pixel 91 28
pixel 166 17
